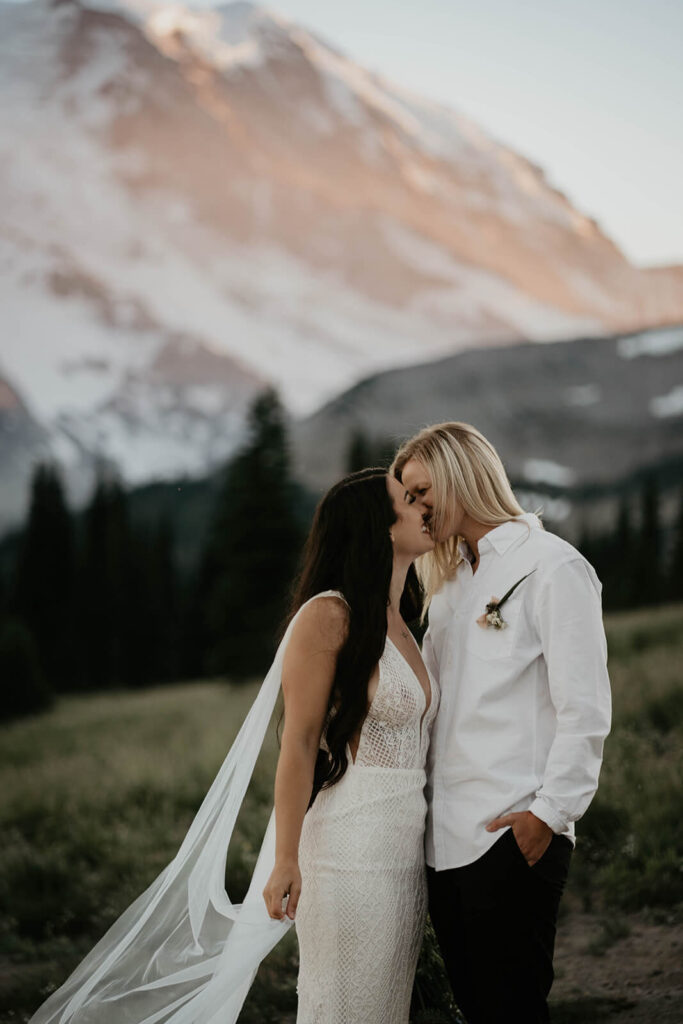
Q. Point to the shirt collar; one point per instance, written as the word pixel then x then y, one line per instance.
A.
pixel 501 537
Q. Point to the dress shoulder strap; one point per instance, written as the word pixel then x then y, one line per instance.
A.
pixel 325 593
pixel 331 593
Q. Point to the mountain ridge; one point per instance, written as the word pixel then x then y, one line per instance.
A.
pixel 568 419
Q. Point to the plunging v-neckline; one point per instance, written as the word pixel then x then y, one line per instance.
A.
pixel 380 681
pixel 428 702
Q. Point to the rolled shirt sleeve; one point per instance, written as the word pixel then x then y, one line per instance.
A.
pixel 568 614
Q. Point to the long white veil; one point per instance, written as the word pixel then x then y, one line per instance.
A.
pixel 183 953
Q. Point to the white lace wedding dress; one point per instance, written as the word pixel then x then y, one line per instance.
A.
pixel 184 953
pixel 363 901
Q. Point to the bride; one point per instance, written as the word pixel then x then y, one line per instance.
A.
pixel 343 853
pixel 352 868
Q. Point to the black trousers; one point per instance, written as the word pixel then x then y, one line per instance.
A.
pixel 495 923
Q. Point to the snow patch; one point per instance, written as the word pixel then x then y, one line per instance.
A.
pixel 557 509
pixel 651 343
pixel 234 36
pixel 106 86
pixel 205 399
pixel 65 450
pixel 548 472
pixel 582 395
pixel 667 405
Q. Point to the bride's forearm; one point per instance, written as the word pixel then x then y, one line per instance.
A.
pixel 293 787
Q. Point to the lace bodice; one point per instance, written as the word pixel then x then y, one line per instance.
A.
pixel 396 729
pixel 395 733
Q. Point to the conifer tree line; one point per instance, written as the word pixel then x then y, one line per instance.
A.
pixel 93 602
pixel 639 562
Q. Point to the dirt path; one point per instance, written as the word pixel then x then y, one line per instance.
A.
pixel 626 970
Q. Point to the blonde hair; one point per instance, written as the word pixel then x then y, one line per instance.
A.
pixel 464 467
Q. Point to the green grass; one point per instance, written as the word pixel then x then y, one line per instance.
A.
pixel 95 799
pixel 630 848
pixel 96 795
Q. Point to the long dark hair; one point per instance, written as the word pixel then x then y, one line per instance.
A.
pixel 349 549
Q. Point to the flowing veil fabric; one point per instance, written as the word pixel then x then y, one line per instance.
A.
pixel 183 953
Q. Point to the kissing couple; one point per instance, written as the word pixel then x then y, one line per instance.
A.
pixel 444 780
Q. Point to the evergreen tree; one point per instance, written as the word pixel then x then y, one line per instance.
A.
pixel 43 590
pixel 620 570
pixel 109 596
pixel 364 453
pixel 4 599
pixel 595 547
pixel 360 452
pixel 647 557
pixel 585 544
pixel 127 596
pixel 385 449
pixel 195 632
pixel 675 573
pixel 167 603
pixel 253 548
pixel 23 687
pixel 152 613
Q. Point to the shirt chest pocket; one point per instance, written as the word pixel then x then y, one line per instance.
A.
pixel 492 643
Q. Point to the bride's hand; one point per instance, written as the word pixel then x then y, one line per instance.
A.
pixel 285 880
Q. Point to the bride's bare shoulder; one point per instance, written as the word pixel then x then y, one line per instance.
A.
pixel 322 624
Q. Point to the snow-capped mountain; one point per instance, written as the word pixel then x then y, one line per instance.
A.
pixel 196 203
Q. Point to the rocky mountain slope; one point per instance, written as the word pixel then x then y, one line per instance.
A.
pixel 197 203
pixel 571 421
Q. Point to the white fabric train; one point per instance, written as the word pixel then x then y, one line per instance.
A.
pixel 183 953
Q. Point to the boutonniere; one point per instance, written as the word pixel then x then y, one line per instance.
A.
pixel 492 616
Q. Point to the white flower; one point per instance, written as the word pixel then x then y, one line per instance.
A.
pixel 492 616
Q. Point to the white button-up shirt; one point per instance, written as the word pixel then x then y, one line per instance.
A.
pixel 524 709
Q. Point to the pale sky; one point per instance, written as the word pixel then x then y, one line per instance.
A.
pixel 591 90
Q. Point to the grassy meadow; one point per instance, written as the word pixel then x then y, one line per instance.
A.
pixel 97 794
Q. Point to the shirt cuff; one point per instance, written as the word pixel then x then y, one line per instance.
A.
pixel 542 809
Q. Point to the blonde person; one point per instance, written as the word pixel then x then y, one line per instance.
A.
pixel 517 644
